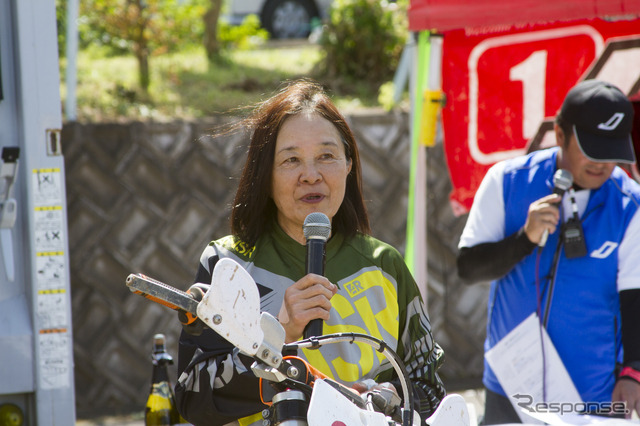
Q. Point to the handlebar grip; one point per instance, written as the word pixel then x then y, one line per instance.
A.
pixel 164 294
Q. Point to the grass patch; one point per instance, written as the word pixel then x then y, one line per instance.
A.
pixel 184 85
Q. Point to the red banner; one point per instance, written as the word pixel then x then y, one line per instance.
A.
pixel 445 15
pixel 505 85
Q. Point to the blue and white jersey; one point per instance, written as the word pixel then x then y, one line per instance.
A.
pixel 584 312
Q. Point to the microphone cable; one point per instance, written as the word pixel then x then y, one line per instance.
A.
pixel 543 319
pixel 540 325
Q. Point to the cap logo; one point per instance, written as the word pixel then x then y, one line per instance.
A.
pixel 613 122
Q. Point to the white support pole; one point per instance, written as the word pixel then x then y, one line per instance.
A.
pixel 72 57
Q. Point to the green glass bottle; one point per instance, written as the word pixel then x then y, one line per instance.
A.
pixel 161 405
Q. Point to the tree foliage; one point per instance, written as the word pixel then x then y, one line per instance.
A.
pixel 61 25
pixel 144 28
pixel 363 40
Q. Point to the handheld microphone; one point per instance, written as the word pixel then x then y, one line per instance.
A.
pixel 316 228
pixel 562 181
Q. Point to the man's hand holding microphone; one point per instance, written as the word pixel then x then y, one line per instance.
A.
pixel 544 215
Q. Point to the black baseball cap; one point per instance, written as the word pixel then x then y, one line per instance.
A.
pixel 602 118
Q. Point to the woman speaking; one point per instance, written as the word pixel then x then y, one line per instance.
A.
pixel 302 159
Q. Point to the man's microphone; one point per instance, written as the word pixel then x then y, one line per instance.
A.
pixel 562 181
pixel 316 228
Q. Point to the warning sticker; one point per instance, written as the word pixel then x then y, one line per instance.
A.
pixel 49 228
pixel 52 309
pixel 47 187
pixel 50 270
pixel 55 361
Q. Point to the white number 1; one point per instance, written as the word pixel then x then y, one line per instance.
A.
pixel 532 73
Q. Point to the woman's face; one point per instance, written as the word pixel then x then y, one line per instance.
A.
pixel 310 171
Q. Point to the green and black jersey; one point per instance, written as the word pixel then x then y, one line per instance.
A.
pixel 376 296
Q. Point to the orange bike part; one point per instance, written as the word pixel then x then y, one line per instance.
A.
pixel 308 376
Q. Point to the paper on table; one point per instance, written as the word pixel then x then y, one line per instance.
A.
pixel 517 362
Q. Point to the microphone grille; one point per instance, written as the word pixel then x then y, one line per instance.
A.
pixel 562 179
pixel 317 225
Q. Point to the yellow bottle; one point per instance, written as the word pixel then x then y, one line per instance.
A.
pixel 11 415
pixel 161 405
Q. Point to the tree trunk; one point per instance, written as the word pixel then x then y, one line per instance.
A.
pixel 141 45
pixel 143 64
pixel 210 18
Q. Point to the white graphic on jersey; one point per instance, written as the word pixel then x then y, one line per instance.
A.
pixel 605 250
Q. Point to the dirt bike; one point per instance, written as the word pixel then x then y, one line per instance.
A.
pixel 297 394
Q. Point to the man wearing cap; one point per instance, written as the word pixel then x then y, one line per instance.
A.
pixel 578 266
